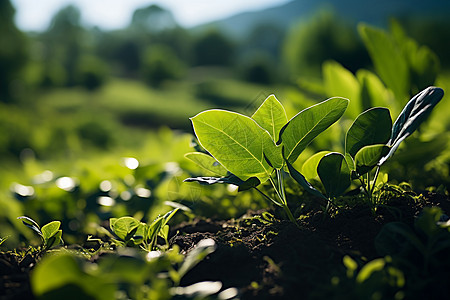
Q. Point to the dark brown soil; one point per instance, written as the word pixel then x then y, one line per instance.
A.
pixel 281 261
pixel 267 260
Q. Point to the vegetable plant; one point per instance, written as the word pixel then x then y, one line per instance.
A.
pixel 248 151
pixel 370 141
pixel 50 233
pixel 131 232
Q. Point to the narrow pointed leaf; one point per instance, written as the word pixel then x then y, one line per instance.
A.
pixel 334 173
pixel 367 157
pixel 237 142
pixel 415 112
pixel 309 168
pixel 169 215
pixel 271 116
pixel 297 176
pixel 207 162
pixel 371 127
pixel 299 132
pixel 30 223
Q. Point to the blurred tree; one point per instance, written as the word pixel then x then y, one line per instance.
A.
pixel 128 54
pixel 63 42
pixel 160 63
pixel 213 48
pixel 324 37
pixel 91 72
pixel 266 37
pixel 152 19
pixel 13 51
pixel 259 67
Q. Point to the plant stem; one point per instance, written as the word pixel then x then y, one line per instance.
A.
pixel 267 197
pixel 375 179
pixel 363 185
pixel 283 199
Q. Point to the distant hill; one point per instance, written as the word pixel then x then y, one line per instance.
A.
pixel 354 11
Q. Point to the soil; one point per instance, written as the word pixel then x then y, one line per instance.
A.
pixel 267 259
pixel 282 261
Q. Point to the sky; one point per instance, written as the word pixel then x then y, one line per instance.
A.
pixel 35 15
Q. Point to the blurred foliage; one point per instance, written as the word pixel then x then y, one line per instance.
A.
pixel 77 101
pixel 324 37
pixel 213 48
pixel 13 54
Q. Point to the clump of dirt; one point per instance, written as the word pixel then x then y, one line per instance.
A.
pixel 278 260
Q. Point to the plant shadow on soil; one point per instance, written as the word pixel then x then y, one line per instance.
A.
pixel 281 261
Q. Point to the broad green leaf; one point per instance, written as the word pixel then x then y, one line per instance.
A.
pixel 57 274
pixel 334 173
pixel 271 116
pixel 415 112
pixel 371 127
pixel 388 59
pixel 342 83
pixel 238 143
pixel 368 157
pixel 54 239
pixel 299 132
pixel 297 176
pixel 123 226
pixel 50 229
pixel 350 161
pixel 309 168
pixel 200 251
pixel 207 162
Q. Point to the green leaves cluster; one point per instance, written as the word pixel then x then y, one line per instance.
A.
pixel 132 232
pixel 257 149
pixel 247 151
pixel 50 233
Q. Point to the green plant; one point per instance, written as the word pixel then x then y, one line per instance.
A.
pixel 131 232
pixel 414 262
pixel 50 233
pixel 370 141
pixel 247 151
pixel 124 274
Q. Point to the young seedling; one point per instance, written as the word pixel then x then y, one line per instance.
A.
pixel 50 233
pixel 248 151
pixel 131 232
pixel 370 141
